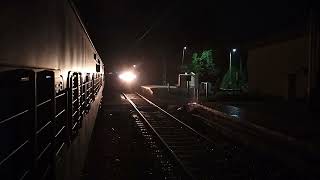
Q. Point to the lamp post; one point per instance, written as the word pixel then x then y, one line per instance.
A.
pixel 183 51
pixel 230 65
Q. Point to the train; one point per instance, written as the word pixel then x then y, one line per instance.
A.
pixel 52 79
pixel 124 80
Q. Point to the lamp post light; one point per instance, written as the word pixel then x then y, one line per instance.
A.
pixel 183 51
pixel 230 64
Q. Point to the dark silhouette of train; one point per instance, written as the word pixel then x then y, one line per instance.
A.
pixel 51 81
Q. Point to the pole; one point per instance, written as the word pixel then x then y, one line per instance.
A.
pixel 183 51
pixel 182 56
pixel 230 74
pixel 164 75
pixel 206 89
pixel 188 86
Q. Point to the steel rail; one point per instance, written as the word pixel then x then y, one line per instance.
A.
pixel 160 138
pixel 184 124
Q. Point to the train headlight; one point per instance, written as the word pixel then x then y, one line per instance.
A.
pixel 127 76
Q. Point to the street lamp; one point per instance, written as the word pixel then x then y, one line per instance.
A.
pixel 230 65
pixel 184 49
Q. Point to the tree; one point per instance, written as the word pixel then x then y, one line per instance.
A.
pixel 204 65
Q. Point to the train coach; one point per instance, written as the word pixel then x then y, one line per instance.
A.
pixel 51 81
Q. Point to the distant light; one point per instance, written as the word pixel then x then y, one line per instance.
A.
pixel 134 66
pixel 24 79
pixel 234 50
pixel 127 76
pixel 185 48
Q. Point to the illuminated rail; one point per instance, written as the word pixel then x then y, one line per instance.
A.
pixel 185 145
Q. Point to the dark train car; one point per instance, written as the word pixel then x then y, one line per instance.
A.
pixel 51 81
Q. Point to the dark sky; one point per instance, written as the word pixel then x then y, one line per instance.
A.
pixel 117 27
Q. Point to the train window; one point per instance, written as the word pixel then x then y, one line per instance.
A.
pixel 97 67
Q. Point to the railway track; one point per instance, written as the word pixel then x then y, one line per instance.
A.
pixel 185 153
pixel 189 149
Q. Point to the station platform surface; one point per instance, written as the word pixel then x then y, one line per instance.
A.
pixel 165 95
pixel 288 119
pixel 158 89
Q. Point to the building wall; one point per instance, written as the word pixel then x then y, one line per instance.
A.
pixel 269 67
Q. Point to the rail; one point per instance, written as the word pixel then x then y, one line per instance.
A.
pixel 183 143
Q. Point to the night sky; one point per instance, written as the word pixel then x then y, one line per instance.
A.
pixel 149 32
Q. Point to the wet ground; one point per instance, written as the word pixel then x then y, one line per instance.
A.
pixel 289 118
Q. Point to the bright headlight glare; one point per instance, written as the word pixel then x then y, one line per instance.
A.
pixel 127 76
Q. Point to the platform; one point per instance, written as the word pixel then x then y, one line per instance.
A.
pixel 174 95
pixel 291 120
pixel 287 119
